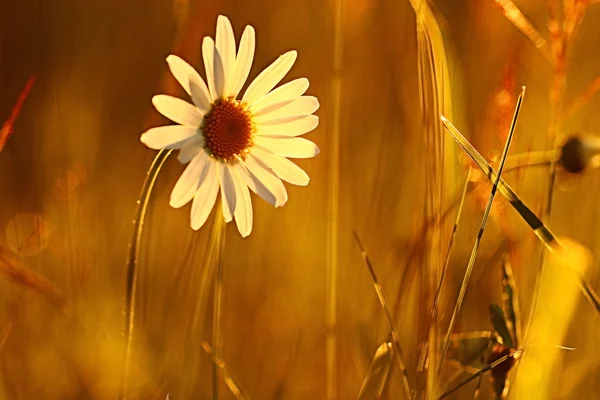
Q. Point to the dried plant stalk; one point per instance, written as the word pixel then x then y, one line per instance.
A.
pixel 15 268
pixel 514 15
pixel 232 384
pixel 435 97
pixel 333 205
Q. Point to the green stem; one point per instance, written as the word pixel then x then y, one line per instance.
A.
pixel 132 264
pixel 217 306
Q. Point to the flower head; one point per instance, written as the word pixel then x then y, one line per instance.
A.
pixel 230 143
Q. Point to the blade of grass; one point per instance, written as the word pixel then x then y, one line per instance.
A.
pixel 436 299
pixel 132 264
pixel 395 338
pixel 471 264
pixel 374 384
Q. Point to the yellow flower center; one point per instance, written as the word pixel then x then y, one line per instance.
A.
pixel 227 130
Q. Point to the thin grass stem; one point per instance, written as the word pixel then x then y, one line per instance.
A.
pixel 397 350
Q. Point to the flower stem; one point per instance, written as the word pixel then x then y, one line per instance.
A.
pixel 217 302
pixel 132 264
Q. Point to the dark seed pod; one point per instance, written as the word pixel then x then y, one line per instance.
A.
pixel 573 155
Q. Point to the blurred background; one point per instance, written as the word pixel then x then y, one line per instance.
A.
pixel 301 319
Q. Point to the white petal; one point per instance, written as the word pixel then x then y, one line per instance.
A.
pixel 256 185
pixel 205 197
pixel 182 71
pixel 243 206
pixel 168 137
pixel 200 94
pixel 189 181
pixel 190 149
pixel 178 110
pixel 305 105
pixel 227 191
pixel 290 126
pixel 280 97
pixel 266 80
pixel 271 182
pixel 208 54
pixel 243 62
pixel 291 147
pixel 225 44
pixel 282 167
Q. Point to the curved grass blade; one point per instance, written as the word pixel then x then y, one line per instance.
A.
pixel 395 338
pixel 132 263
pixel 486 213
pixel 538 227
pixel 374 383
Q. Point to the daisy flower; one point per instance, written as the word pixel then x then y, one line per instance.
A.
pixel 230 143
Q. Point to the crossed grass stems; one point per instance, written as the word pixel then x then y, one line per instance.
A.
pixel 499 320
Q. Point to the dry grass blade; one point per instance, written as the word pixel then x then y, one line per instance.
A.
pixel 15 268
pixel 515 16
pixel 538 227
pixel 486 213
pixel 433 315
pixel 5 334
pixel 132 263
pixel 232 384
pixel 395 339
pixel 9 125
pixel 374 383
pixel 583 98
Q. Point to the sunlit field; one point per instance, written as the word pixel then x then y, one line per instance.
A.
pixel 318 199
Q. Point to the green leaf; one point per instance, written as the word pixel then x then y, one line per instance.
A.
pixel 499 323
pixel 471 349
